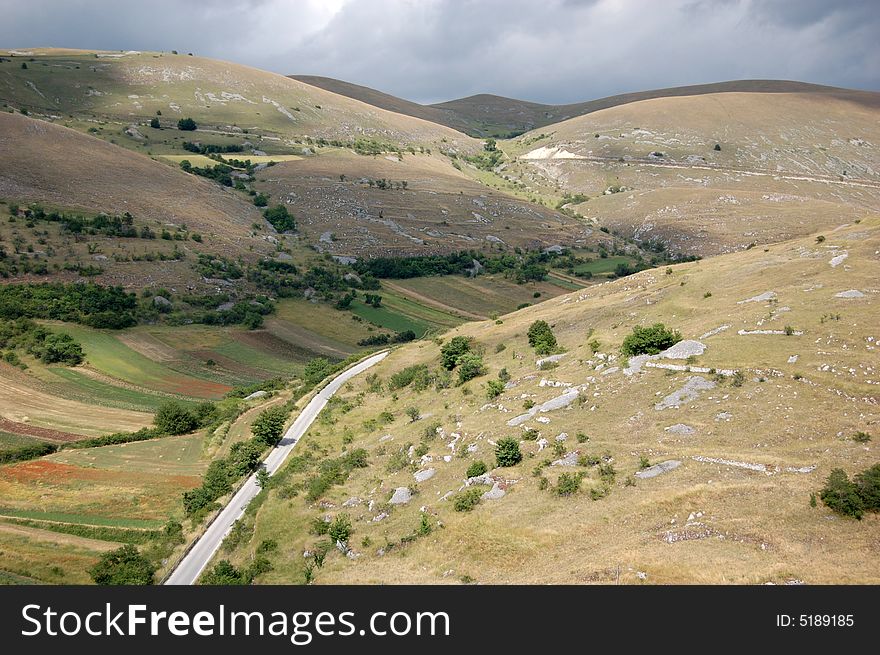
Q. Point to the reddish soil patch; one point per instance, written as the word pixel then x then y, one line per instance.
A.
pixel 198 388
pixel 47 471
pixel 229 364
pixel 37 432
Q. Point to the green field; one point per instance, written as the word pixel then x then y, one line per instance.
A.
pixel 9 441
pixel 84 519
pixel 481 296
pixel 600 266
pixel 78 386
pixel 106 353
pixel 166 456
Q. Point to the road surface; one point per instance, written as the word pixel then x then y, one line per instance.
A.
pixel 195 561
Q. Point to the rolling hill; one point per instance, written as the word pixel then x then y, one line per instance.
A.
pixel 712 173
pixel 486 114
pixel 693 467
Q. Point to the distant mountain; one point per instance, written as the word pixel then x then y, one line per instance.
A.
pixel 490 115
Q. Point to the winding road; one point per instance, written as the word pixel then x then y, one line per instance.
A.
pixel 195 561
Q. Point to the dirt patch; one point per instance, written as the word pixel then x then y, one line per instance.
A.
pixel 37 432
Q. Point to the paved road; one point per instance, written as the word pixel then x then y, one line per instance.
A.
pixel 191 566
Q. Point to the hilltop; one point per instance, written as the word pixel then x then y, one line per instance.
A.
pixel 488 115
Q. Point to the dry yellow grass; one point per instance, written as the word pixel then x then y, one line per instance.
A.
pixel 709 522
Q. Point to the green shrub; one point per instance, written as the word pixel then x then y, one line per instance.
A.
pixel 861 437
pixel 452 350
pixel 173 418
pixel 541 338
pixel 840 495
pixel 569 483
pixel 477 468
pixel 649 340
pixel 507 452
pixel 268 427
pixel 280 218
pixel 470 365
pixel 340 528
pixel 465 501
pixel 123 566
pixel 868 487
pixel 186 124
pixel 494 388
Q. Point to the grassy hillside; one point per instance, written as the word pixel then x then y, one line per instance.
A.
pixel 131 87
pixel 711 173
pixel 787 377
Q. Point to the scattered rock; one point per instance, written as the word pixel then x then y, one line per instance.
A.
pixel 562 436
pixel 570 459
pixel 422 476
pixel 549 358
pixel 714 331
pixel 762 297
pixel 480 479
pixel 401 496
pixel 256 394
pixel 838 260
pixel 162 302
pixel 354 501
pixel 684 349
pixel 494 493
pixel 852 293
pixel 657 469
pixel 690 391
pixel 680 428
pixel 792 359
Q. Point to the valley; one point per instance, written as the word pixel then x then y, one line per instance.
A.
pixel 188 237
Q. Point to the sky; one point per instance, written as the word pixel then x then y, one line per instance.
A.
pixel 551 51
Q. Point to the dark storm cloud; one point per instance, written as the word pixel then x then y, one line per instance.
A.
pixel 431 50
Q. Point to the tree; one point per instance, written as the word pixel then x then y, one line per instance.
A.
pixel 413 413
pixel 261 200
pixel 123 566
pixel 186 124
pixel 541 338
pixel 174 418
pixel 224 573
pixel 316 370
pixel 60 348
pixel 507 452
pixel 269 425
pixel 452 350
pixel 470 365
pixel 262 477
pixel 154 123
pixel 280 218
pixel 868 486
pixel 649 340
pixel 841 495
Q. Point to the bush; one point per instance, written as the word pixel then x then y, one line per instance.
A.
pixel 316 370
pixel 465 501
pixel 280 218
pixel 173 418
pixel 541 338
pixel 649 340
pixel 123 566
pixel 477 468
pixel 507 452
pixel 186 124
pixel 413 413
pixel 861 437
pixel 494 388
pixel 452 350
pixel 340 528
pixel 840 495
pixel 569 483
pixel 470 365
pixel 154 123
pixel 868 487
pixel 268 427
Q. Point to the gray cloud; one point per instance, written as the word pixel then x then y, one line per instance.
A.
pixel 431 50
